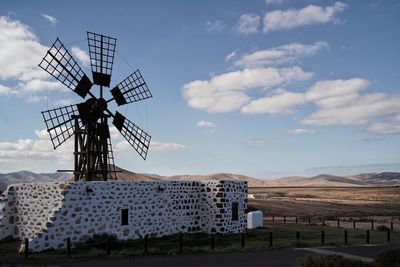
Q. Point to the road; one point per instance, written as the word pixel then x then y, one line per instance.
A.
pixel 273 258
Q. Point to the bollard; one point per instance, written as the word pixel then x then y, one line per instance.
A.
pixel 338 223
pixel 322 237
pixel 180 243
pixel 243 237
pixel 296 220
pixel 273 218
pixel 388 236
pixel 391 226
pixel 270 239
pixel 146 239
pixel 309 220
pixel 323 222
pixel 68 246
pixel 345 237
pixel 284 219
pixel 354 224
pixel 367 236
pixel 212 242
pixel 372 225
pixel 297 235
pixel 108 245
pixel 26 248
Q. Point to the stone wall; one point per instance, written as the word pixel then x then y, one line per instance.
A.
pixel 48 213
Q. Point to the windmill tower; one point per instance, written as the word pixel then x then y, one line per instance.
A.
pixel 88 121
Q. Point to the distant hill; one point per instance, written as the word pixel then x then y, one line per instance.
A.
pixel 323 180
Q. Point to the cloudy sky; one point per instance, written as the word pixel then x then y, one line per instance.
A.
pixel 263 88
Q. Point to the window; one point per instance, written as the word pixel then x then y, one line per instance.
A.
pixel 124 216
pixel 235 211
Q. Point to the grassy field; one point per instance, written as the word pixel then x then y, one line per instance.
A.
pixel 345 202
pixel 284 235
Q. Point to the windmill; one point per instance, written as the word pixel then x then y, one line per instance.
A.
pixel 88 121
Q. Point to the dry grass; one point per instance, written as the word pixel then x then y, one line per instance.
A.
pixel 329 202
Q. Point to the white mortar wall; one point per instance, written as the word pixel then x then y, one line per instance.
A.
pixel 48 213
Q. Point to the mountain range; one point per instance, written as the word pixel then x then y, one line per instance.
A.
pixel 323 180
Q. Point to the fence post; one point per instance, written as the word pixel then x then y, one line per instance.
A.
pixel 297 235
pixel 68 246
pixel 180 243
pixel 367 236
pixel 273 218
pixel 391 226
pixel 243 240
pixel 296 220
pixel 323 222
pixel 309 220
pixel 354 224
pixel 108 245
pixel 146 239
pixel 284 219
pixel 212 242
pixel 388 236
pixel 338 223
pixel 270 239
pixel 322 237
pixel 26 248
pixel 372 224
pixel 345 237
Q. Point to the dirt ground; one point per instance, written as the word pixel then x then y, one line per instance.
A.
pixel 356 202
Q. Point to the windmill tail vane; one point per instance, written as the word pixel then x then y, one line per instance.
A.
pixel 88 121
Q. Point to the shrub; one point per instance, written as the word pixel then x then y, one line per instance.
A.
pixel 311 260
pixel 388 258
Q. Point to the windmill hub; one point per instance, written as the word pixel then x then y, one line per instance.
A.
pixel 87 121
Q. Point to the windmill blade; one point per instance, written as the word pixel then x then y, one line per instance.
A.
pixel 131 89
pixel 60 123
pixel 101 52
pixel 135 136
pixel 59 63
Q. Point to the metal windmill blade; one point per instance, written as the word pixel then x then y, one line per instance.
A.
pixel 135 136
pixel 101 52
pixel 131 89
pixel 59 63
pixel 60 123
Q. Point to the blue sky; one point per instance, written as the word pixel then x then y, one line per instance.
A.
pixel 262 88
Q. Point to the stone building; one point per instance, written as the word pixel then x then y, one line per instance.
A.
pixel 48 213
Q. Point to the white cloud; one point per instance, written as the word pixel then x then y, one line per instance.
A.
pixel 166 147
pixel 231 55
pixel 211 127
pixel 229 91
pixel 215 26
pixel 206 124
pixel 81 55
pixel 293 18
pixel 248 24
pixel 4 90
pixel 325 90
pixel 360 110
pixel 283 54
pixel 28 153
pixel 52 20
pixel 20 53
pixel 384 127
pixel 300 131
pixel 279 103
